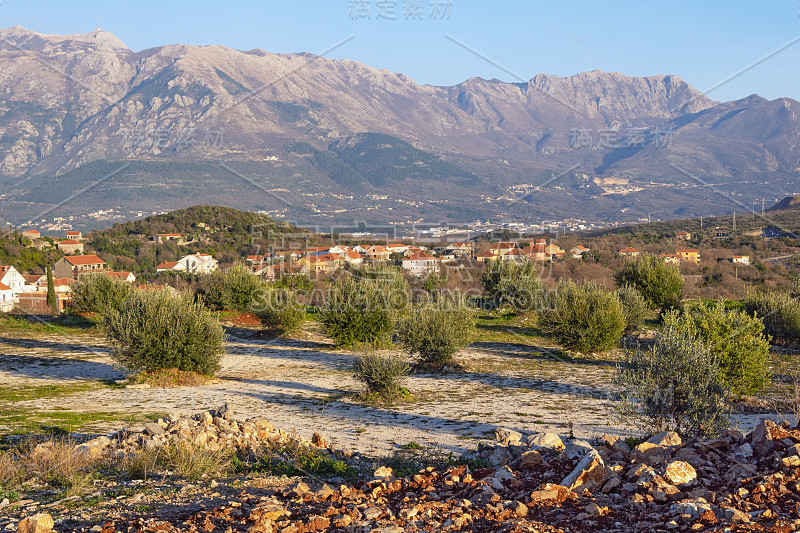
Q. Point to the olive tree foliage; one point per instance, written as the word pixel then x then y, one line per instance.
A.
pixel 582 317
pixel 160 329
pixel 382 374
pixel 436 331
pixel 364 307
pixel 517 285
pixel 233 289
pixel 634 307
pixel 674 385
pixel 98 293
pixel 279 309
pixel 736 339
pixel 658 282
pixel 794 289
pixel 779 312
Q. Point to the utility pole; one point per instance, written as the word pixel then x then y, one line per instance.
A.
pixel 762 208
pixel 734 221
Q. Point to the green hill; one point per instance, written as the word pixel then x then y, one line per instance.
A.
pixel 226 233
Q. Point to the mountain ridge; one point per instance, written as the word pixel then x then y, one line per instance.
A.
pixel 101 101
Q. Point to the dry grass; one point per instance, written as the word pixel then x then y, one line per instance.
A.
pixel 182 458
pixel 170 377
pixel 54 463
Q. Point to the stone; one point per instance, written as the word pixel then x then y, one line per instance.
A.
pixel 520 509
pixel 666 438
pixel 680 473
pixel 545 442
pixel 384 473
pixel 593 510
pixel 761 438
pixel 649 453
pixel 152 428
pixel 500 478
pixel 38 523
pixel 577 448
pixel 590 473
pixel 93 448
pixel 735 515
pixel 507 436
pixel 792 461
pixel 531 458
pixel 372 513
pixel 745 451
pixel 690 508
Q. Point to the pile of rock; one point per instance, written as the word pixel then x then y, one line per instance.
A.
pixel 539 482
pixel 213 429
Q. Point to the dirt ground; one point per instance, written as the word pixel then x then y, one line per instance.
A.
pixel 304 384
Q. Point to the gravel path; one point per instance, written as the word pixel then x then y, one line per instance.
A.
pixel 305 385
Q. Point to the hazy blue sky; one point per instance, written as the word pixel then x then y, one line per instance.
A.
pixel 703 42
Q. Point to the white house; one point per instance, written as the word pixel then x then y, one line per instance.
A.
pixel 198 263
pixel 10 277
pixel 6 298
pixel 420 264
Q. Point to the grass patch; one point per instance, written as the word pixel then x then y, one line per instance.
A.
pixel 293 459
pixel 32 423
pixel 61 324
pixel 21 394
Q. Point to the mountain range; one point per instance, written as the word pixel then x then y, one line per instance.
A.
pixel 88 124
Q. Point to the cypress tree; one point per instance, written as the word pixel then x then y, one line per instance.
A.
pixel 51 291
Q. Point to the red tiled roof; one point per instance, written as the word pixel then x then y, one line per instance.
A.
pixel 690 251
pixel 420 256
pixel 70 241
pixel 4 287
pixel 121 275
pixel 168 264
pixel 628 250
pixel 76 260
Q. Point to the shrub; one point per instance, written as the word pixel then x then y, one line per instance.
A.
pixel 794 290
pixel 233 289
pixel 514 284
pixel 280 309
pixel 660 283
pixel 672 386
pixel 437 331
pixel 157 330
pixel 380 373
pixel 737 341
pixel 98 293
pixel 779 312
pixel 362 309
pixel 634 307
pixel 583 317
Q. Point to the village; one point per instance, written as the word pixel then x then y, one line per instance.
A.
pixel 29 291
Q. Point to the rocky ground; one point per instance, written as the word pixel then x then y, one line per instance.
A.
pixel 524 482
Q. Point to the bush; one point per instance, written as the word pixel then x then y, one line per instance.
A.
pixel 583 317
pixel 98 293
pixel 514 284
pixel 779 312
pixel 794 290
pixel 233 289
pixel 380 373
pixel 437 331
pixel 672 386
pixel 634 307
pixel 157 330
pixel 660 283
pixel 280 309
pixel 363 309
pixel 737 341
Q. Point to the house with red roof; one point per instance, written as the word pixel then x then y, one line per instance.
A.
pixel 629 252
pixel 170 265
pixel 73 266
pixel 420 264
pixel 70 246
pixel 7 301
